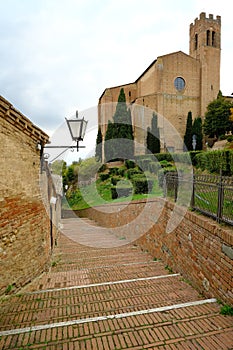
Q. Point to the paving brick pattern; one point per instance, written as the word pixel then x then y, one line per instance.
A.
pixel 85 301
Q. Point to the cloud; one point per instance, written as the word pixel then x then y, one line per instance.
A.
pixel 56 56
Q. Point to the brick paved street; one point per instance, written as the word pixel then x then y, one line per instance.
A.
pixel 117 297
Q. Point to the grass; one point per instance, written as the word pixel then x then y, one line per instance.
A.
pixel 99 193
pixel 226 310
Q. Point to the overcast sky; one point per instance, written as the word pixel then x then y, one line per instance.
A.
pixel 57 56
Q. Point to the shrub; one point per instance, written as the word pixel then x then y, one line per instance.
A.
pixel 130 164
pixel 215 161
pixel 145 164
pixel 230 138
pixel 114 180
pixel 102 168
pixel 104 176
pixel 141 184
pixel 132 172
pixel 154 167
pixel 113 171
pixel 164 156
pixel 162 172
pixel 165 164
pixel 121 191
pixel 121 171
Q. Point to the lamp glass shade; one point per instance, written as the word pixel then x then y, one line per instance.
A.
pixel 77 128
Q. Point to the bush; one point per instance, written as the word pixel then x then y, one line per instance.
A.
pixel 132 172
pixel 121 191
pixel 165 164
pixel 130 164
pixel 114 180
pixel 215 161
pixel 113 171
pixel 162 172
pixel 104 176
pixel 164 156
pixel 102 168
pixel 141 184
pixel 121 171
pixel 230 138
pixel 154 167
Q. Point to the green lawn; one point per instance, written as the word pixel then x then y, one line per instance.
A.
pixel 99 193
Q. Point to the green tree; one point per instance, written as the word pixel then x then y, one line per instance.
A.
pixel 98 149
pixel 188 133
pixel 217 118
pixel 121 128
pixel 153 136
pixel 197 130
pixel 87 169
pixel 57 166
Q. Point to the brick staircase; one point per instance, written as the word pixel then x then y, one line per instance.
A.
pixel 116 297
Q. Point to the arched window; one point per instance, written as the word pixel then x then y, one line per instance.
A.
pixel 207 37
pixel 196 41
pixel 213 39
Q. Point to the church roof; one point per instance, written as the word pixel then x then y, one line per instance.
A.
pixel 148 68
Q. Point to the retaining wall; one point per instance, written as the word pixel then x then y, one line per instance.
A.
pixel 198 248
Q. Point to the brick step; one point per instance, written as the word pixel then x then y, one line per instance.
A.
pixel 171 330
pixel 99 274
pixel 63 305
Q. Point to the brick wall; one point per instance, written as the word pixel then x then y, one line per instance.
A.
pixel 25 228
pixel 200 249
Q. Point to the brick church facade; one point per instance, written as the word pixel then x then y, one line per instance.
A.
pixel 172 85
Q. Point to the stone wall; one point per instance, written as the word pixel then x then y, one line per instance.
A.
pixel 25 229
pixel 199 249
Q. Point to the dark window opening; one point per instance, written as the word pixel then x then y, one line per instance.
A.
pixel 208 38
pixel 212 88
pixel 213 39
pixel 129 93
pixel 196 41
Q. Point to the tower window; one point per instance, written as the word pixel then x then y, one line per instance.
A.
pixel 208 38
pixel 129 93
pixel 213 39
pixel 196 41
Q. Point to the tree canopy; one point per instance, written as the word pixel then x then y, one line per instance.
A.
pixel 217 118
pixel 120 132
pixel 98 148
pixel 188 132
pixel 153 136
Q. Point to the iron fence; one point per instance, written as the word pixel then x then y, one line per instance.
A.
pixel 211 195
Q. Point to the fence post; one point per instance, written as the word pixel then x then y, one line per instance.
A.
pixel 193 193
pixel 220 198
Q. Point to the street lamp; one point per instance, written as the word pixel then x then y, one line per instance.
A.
pixel 77 128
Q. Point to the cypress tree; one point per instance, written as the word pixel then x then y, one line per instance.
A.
pixel 188 133
pixel 98 149
pixel 197 130
pixel 121 128
pixel 153 136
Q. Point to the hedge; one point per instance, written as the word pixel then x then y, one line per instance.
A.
pixel 162 172
pixel 130 164
pixel 104 176
pixel 121 191
pixel 132 172
pixel 216 161
pixel 141 184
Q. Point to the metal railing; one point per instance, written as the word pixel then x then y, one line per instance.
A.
pixel 211 195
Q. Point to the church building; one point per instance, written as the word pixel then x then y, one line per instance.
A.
pixel 171 86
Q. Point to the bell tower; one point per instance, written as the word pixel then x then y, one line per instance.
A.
pixel 205 46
